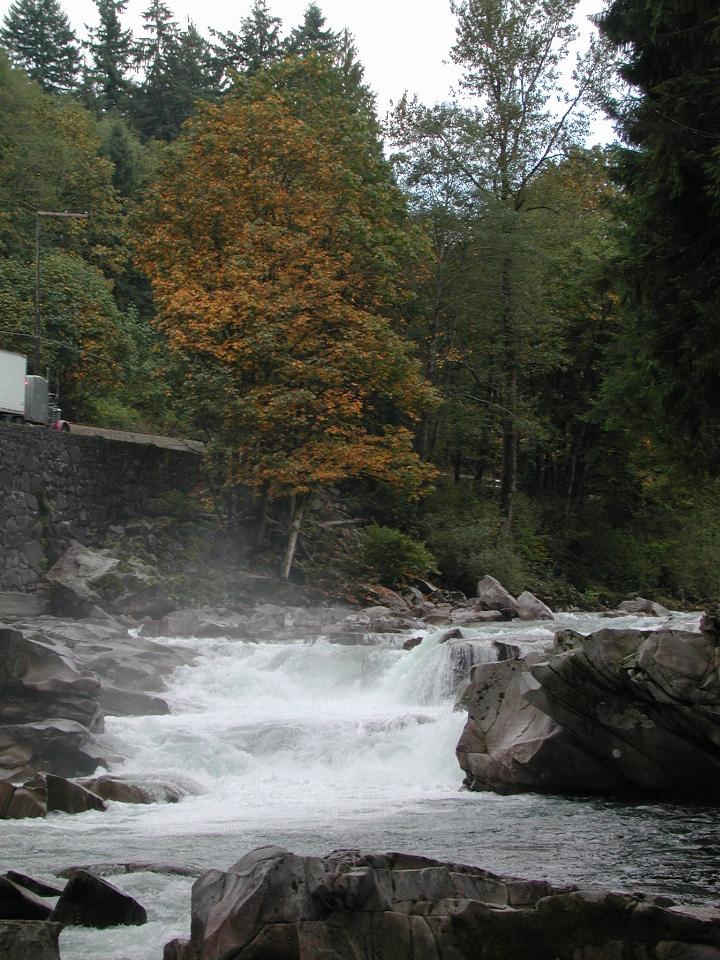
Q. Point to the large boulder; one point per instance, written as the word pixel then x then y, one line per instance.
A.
pixel 39 681
pixel 530 608
pixel 26 940
pixel 63 747
pixel 620 711
pixel 644 607
pixel 83 580
pixel 51 697
pixel 492 595
pixel 25 803
pixel 68 797
pixel 90 901
pixel 274 905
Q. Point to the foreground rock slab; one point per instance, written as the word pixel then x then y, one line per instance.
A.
pixel 27 940
pixel 89 901
pixel 619 711
pixel 274 905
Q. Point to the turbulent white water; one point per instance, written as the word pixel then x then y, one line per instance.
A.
pixel 316 746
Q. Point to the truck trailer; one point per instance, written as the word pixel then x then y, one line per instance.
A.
pixel 25 398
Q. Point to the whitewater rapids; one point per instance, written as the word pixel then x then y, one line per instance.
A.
pixel 315 746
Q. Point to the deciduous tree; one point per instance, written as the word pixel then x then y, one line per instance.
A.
pixel 276 241
pixel 489 155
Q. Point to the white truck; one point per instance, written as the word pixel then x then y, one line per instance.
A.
pixel 26 398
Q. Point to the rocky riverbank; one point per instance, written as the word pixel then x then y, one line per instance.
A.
pixel 59 672
pixel 617 712
pixel 274 905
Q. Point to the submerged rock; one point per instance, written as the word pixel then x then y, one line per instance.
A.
pixel 620 711
pixel 274 905
pixel 125 790
pixel 642 606
pixel 89 901
pixel 113 869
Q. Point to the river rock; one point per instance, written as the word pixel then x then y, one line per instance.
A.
pixel 128 790
pixel 61 746
pixel 68 797
pixel 530 608
pixel 492 595
pixel 134 866
pixel 274 905
pixel 89 901
pixel 25 803
pixel 412 642
pixel 38 887
pixel 39 681
pixel 620 711
pixel 84 579
pixel 19 903
pixel 642 606
pixel 29 940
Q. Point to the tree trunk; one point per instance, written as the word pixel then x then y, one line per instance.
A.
pixel 261 520
pixel 508 482
pixel 293 536
pixel 457 462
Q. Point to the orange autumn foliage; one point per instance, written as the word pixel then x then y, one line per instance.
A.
pixel 277 247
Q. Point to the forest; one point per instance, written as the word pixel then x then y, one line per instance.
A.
pixel 497 346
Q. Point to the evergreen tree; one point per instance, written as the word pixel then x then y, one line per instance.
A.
pixel 670 174
pixel 312 36
pixel 151 109
pixel 39 39
pixel 179 70
pixel 195 74
pixel 110 49
pixel 257 45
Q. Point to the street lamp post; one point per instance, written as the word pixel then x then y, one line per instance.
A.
pixel 62 215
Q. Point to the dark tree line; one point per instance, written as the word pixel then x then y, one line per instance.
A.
pixel 154 80
pixel 564 301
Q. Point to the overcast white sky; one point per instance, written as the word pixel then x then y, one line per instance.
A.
pixel 403 44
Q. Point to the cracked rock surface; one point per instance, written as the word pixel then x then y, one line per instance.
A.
pixel 619 711
pixel 274 905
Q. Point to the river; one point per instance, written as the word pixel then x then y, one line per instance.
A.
pixel 316 746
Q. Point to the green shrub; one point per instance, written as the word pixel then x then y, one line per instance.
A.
pixel 109 411
pixel 394 557
pixel 466 533
pixel 468 551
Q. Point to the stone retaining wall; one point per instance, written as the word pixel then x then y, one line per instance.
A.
pixel 56 487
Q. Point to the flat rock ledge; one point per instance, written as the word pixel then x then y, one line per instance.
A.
pixel 617 712
pixel 274 905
